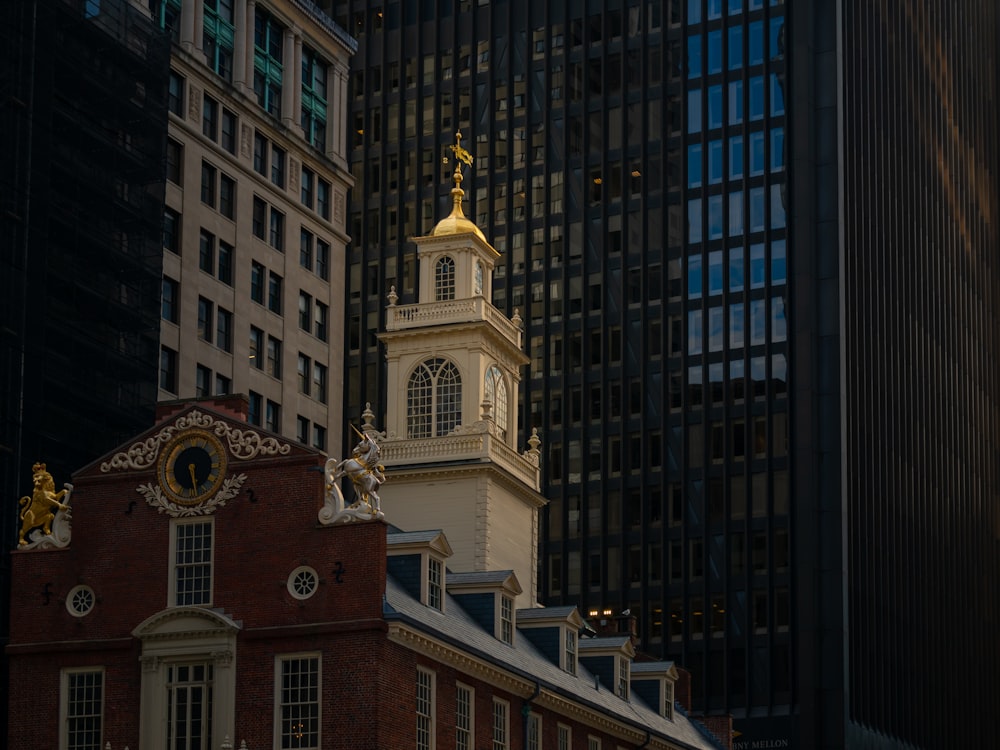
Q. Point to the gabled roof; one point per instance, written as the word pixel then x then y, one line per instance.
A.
pixel 483 581
pixel 411 541
pixel 475 650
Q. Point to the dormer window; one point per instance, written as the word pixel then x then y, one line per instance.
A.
pixel 434 579
pixel 668 699
pixel 444 279
pixel 507 620
pixel 570 652
pixel 433 399
pixel 623 678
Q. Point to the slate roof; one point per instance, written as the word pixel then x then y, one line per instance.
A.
pixel 456 627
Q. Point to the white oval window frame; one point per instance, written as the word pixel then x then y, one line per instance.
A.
pixel 294 577
pixel 72 600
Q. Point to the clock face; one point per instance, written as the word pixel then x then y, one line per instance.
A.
pixel 192 467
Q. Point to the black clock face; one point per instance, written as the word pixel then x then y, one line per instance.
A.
pixel 193 467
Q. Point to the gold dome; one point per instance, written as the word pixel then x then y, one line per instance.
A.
pixel 455 222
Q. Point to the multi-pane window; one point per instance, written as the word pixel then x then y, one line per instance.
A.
pixel 314 74
pixel 218 37
pixel 496 394
pixel 223 385
pixel 277 166
pixel 507 620
pixel 210 117
pixel 301 429
pixel 319 437
pixel 463 717
pixel 501 725
pixel 170 303
pixel 168 369
pixel 323 189
pixel 276 236
pixel 267 61
pixel 227 196
pixel 305 374
pixel 564 738
pixel 257 274
pixel 255 406
pixel 308 187
pixel 433 399
pixel 323 259
pixel 570 650
pixel 83 706
pixel 425 709
pixel 305 311
pixel 320 320
pixel 228 135
pixel 534 732
pixel 306 249
pixel 623 677
pixel 434 583
pixel 171 230
pixel 189 706
pixel 593 743
pixel 299 703
pixel 260 150
pixel 193 563
pixel 259 218
pixel 444 279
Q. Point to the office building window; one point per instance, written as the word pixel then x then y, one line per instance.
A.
pixel 274 357
pixel 305 311
pixel 205 319
pixel 192 561
pixel 425 709
pixel 218 37
pixel 269 50
pixel 259 219
pixel 83 707
pixel 210 117
pixel 208 178
pixel 228 136
pixel 170 303
pixel 305 374
pixel 171 231
pixel 257 274
pixel 274 293
pixel 227 196
pixel 323 198
pixel 319 437
pixel 319 382
pixel 202 381
pixel 175 92
pixel 206 252
pixel 277 166
pixel 313 121
pixel 272 416
pixel 276 237
pixel 255 407
pixel 225 266
pixel 306 249
pixel 224 330
pixel 256 348
pixel 323 259
pixel 175 160
pixel 434 399
pixel 298 692
pixel 168 369
pixel 320 319
pixel 223 385
pixel 302 429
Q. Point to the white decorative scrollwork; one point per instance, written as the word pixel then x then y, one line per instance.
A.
pixel 155 496
pixel 243 444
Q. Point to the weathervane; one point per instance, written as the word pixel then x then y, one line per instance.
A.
pixel 460 153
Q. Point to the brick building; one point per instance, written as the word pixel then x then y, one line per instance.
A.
pixel 199 598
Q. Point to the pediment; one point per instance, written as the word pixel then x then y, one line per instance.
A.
pixel 186 623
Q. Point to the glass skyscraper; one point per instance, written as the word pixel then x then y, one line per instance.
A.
pixel 750 242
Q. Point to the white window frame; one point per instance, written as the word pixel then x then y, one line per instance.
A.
pixel 668 699
pixel 501 724
pixel 570 650
pixel 593 743
pixel 465 717
pixel 505 619
pixel 534 731
pixel 425 720
pixel 184 689
pixel 65 716
pixel 434 583
pixel 564 736
pixel 279 706
pixel 624 676
pixel 172 593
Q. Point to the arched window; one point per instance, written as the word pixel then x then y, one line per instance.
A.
pixel 433 399
pixel 496 394
pixel 444 279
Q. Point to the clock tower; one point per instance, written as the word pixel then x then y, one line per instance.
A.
pixel 450 447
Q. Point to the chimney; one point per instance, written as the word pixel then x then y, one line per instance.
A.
pixel 606 624
pixel 682 689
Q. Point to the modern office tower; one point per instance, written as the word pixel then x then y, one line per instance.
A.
pixel 750 245
pixel 82 112
pixel 254 222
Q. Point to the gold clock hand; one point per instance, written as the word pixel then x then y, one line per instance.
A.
pixel 194 481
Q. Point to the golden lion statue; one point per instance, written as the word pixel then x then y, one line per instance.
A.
pixel 37 510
